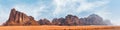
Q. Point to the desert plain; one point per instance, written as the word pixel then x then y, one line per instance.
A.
pixel 59 27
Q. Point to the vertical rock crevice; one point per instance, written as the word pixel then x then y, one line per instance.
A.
pixel 17 18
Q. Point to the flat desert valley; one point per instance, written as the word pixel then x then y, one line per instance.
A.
pixel 60 28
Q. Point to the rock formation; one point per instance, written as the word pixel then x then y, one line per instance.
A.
pixel 17 18
pixel 69 20
pixel 59 21
pixel 44 22
pixel 72 20
pixel 93 20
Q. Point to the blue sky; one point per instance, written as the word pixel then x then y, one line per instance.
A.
pixel 39 9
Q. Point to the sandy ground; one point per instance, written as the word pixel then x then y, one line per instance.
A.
pixel 59 27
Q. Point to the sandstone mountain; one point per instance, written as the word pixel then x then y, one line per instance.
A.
pixel 17 18
pixel 44 22
pixel 71 20
pixel 58 21
pixel 93 19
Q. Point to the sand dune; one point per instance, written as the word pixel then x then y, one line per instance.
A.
pixel 60 28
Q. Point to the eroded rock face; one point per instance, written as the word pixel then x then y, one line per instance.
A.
pixel 72 20
pixel 93 20
pixel 44 22
pixel 19 18
pixel 59 21
pixel 69 20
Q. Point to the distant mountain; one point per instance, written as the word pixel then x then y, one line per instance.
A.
pixel 58 21
pixel 44 22
pixel 93 19
pixel 17 18
pixel 69 20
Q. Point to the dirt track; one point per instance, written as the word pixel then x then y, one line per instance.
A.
pixel 60 28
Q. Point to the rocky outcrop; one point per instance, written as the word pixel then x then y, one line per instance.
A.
pixel 17 18
pixel 44 22
pixel 93 20
pixel 59 21
pixel 72 20
pixel 69 20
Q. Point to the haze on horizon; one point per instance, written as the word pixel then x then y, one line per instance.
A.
pixel 107 9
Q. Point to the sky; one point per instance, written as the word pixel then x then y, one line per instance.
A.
pixel 39 9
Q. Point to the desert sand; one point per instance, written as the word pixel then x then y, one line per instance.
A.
pixel 59 27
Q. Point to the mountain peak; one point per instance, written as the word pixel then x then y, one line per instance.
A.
pixel 19 18
pixel 13 9
pixel 93 15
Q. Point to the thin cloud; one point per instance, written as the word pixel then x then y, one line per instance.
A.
pixel 64 7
